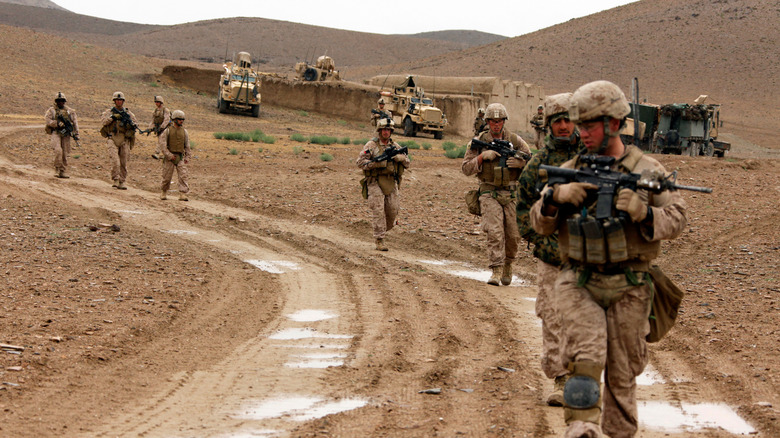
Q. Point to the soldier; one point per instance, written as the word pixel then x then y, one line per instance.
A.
pixel 497 193
pixel 538 123
pixel 479 122
pixel 604 306
pixel 161 118
pixel 177 153
pixel 562 145
pixel 61 125
pixel 119 126
pixel 380 113
pixel 382 179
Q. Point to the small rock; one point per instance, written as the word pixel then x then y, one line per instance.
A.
pixel 430 391
pixel 764 404
pixel 508 370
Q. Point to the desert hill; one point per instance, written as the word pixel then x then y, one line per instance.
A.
pixel 468 38
pixel 37 3
pixel 728 49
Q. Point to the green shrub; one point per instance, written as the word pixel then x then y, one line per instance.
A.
pixel 268 139
pixel 411 144
pixel 342 122
pixel 260 150
pixel 297 137
pixel 233 151
pixel 192 145
pixel 322 139
pixel 326 157
pixel 344 140
pixel 426 146
pixel 303 113
pixel 297 150
pixel 154 84
pixel 448 145
pixel 360 141
pixel 457 152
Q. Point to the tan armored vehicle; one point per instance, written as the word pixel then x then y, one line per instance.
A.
pixel 413 111
pixel 324 70
pixel 239 86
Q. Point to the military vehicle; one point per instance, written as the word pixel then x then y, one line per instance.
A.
pixel 647 118
pixel 239 86
pixel 413 111
pixel 324 70
pixel 690 129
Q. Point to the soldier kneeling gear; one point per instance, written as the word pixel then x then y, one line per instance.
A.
pixel 582 392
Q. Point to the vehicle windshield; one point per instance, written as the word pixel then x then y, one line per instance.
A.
pixel 427 101
pixel 249 79
pixel 415 100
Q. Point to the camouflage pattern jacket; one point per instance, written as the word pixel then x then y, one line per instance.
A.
pixel 545 247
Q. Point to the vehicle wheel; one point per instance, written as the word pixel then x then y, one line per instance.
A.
pixel 256 110
pixel 438 135
pixel 310 74
pixel 223 106
pixel 719 154
pixel 409 127
pixel 709 149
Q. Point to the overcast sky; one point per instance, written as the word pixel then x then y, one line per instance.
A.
pixel 508 18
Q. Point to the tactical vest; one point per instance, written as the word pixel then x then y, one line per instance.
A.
pixel 613 243
pixel 493 176
pixel 387 176
pixel 176 138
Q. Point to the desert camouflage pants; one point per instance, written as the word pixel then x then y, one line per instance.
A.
pixel 552 362
pixel 384 209
pixel 499 222
pixel 61 146
pixel 160 145
pixel 539 141
pixel 614 337
pixel 119 155
pixel 181 172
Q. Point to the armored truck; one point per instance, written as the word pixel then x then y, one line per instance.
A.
pixel 323 70
pixel 239 86
pixel 690 129
pixel 414 112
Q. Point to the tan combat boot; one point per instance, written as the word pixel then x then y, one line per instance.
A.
pixel 506 274
pixel 63 174
pixel 116 183
pixel 183 197
pixel 496 277
pixel 164 195
pixel 555 398
pixel 121 185
pixel 380 245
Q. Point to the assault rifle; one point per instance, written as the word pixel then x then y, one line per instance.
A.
pixel 610 181
pixel 389 153
pixel 381 114
pixel 67 128
pixel 504 148
pixel 124 117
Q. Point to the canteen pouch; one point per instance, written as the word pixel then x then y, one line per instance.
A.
pixel 364 188
pixel 595 249
pixel 576 248
pixel 616 240
pixel 472 202
pixel 667 298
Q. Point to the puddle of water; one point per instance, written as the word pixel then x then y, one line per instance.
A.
pixel 315 346
pixel 260 433
pixel 311 315
pixel 436 262
pixel 274 267
pixel 315 364
pixel 532 299
pixel 484 276
pixel 130 212
pixel 179 232
pixel 650 377
pixel 691 417
pixel 299 408
pixel 321 355
pixel 304 333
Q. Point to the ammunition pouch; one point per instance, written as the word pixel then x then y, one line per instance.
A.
pixel 472 202
pixel 364 188
pixel 595 242
pixel 665 304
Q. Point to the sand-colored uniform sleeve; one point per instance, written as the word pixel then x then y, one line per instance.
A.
pixel 364 159
pixel 75 120
pixel 471 164
pixel 187 149
pixel 669 208
pixel 105 118
pixel 50 118
pixel 520 144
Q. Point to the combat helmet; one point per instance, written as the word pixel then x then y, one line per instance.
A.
pixel 60 96
pixel 381 101
pixel 556 105
pixel 177 115
pixel 385 123
pixel 596 100
pixel 495 111
pixel 159 99
pixel 481 111
pixel 118 95
pixel 539 107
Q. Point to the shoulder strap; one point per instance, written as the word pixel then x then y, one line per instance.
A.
pixel 632 158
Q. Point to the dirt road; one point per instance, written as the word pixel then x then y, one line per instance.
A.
pixel 263 313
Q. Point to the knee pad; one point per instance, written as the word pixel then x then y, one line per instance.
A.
pixel 583 389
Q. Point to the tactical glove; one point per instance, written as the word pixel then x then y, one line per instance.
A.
pixel 515 163
pixel 399 157
pixel 572 193
pixel 116 116
pixel 488 155
pixel 630 202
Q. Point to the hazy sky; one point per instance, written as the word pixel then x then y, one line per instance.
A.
pixel 509 18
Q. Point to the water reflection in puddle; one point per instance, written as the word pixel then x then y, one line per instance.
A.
pixel 687 417
pixel 315 346
pixel 275 266
pixel 320 364
pixel 311 315
pixel 299 408
pixel 304 333
pixel 179 232
pixel 650 377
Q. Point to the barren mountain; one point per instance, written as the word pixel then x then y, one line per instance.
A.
pixel 36 3
pixel 468 38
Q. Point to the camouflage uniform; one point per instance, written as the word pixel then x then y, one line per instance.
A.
pixel 480 124
pixel 60 143
pixel 538 123
pixel 499 221
pixel 382 179
pixel 605 322
pixel 177 153
pixel 545 250
pixel 121 139
pixel 161 118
